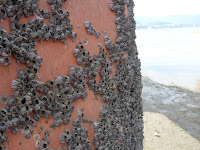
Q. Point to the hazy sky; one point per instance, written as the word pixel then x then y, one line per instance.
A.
pixel 166 7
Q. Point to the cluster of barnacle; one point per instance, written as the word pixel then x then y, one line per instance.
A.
pixel 16 115
pixel 43 13
pixel 16 8
pixel 78 138
pixel 22 43
pixel 120 124
pixel 42 144
pixel 23 37
pixel 115 51
pixel 106 87
pixel 91 30
pixel 5 51
pixel 3 13
pixel 56 100
pixel 126 31
pixel 56 96
pixel 60 23
pixel 107 129
pixel 83 57
pixel 91 68
pixel 77 77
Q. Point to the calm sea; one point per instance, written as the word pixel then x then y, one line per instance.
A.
pixel 171 55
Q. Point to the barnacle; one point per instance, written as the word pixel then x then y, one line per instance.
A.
pixel 50 83
pixel 15 130
pixel 36 117
pixel 3 137
pixel 5 51
pixel 66 120
pixel 27 131
pixel 32 122
pixel 87 121
pixel 46 134
pixel 3 113
pixel 63 138
pixel 4 99
pixel 3 148
pixel 86 41
pixel 43 145
pixel 3 13
pixel 91 30
pixel 104 32
pixel 17 84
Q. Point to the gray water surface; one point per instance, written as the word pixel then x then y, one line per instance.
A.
pixel 171 55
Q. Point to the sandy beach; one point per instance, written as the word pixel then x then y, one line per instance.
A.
pixel 171 117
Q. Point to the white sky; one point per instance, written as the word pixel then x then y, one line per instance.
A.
pixel 166 7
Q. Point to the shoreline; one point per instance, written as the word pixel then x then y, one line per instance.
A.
pixel 144 76
pixel 180 105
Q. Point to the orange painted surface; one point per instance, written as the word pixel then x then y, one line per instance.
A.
pixel 56 60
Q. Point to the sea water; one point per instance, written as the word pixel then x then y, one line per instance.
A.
pixel 171 56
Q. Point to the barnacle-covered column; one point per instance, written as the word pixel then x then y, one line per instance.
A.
pixel 69 75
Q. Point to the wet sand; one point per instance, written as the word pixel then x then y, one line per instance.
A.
pixel 173 115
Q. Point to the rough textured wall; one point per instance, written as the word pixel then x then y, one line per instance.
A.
pixel 76 81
